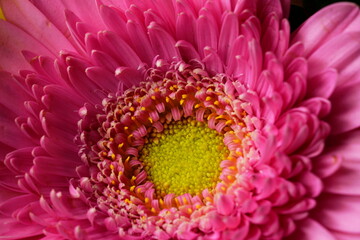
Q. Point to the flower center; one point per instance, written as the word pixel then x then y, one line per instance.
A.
pixel 170 144
pixel 184 158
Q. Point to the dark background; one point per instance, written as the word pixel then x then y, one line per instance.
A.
pixel 303 9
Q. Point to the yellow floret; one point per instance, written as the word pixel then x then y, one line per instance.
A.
pixel 185 158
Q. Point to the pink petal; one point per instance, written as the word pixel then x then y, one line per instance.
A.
pixel 114 19
pixel 12 93
pixel 346 236
pixel 50 166
pixel 56 149
pixel 9 206
pixel 338 212
pixel 310 229
pixel 341 53
pixel 27 17
pixel 105 79
pixel 345 180
pixel 10 134
pixel 323 84
pixel 103 59
pixel 13 40
pixel 345 111
pixel 62 102
pixel 312 182
pixel 345 145
pixel 162 42
pixel 54 12
pixel 271 33
pixel 207 32
pixel 57 128
pixel 128 77
pixel 141 42
pixel 224 204
pixel 14 230
pixel 280 7
pixel 229 32
pixel 84 86
pixel 19 160
pixel 116 47
pixel 87 11
pixel 212 61
pixel 187 51
pixel 185 27
pixel 326 24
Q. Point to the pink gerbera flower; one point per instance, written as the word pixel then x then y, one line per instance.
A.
pixel 186 119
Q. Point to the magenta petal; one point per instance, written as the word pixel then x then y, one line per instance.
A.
pixel 105 79
pixel 26 16
pixel 49 166
pixel 345 145
pixel 54 12
pixel 207 32
pixel 229 32
pixel 341 53
pixel 13 40
pixel 162 42
pixel 19 160
pixel 12 94
pixel 326 24
pixel 310 229
pixel 345 180
pixel 119 49
pixel 323 84
pixel 14 230
pixel 114 20
pixel 345 112
pixel 338 212
pixel 9 206
pixel 346 236
pixel 326 165
pixel 185 26
pixel 87 11
pixel 10 134
pixel 224 204
pixel 141 41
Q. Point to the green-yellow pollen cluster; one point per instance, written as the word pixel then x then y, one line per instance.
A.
pixel 184 158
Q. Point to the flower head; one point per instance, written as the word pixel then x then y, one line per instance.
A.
pixel 178 120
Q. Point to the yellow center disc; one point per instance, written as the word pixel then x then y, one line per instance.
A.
pixel 184 158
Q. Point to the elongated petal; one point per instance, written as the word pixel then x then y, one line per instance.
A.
pixel 310 229
pixel 327 24
pixel 345 180
pixel 333 209
pixel 13 40
pixel 345 110
pixel 26 16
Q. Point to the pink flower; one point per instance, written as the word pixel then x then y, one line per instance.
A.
pixel 178 120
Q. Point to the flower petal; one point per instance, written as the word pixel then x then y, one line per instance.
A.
pixel 13 40
pixel 345 180
pixel 27 17
pixel 338 212
pixel 341 53
pixel 346 236
pixel 326 24
pixel 310 229
pixel 323 84
pixel 345 111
